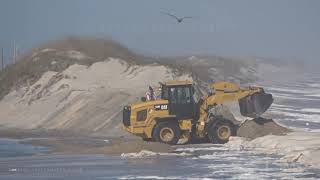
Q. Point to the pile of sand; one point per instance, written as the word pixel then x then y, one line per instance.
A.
pixel 248 127
pixel 259 127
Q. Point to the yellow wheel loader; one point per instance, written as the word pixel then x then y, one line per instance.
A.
pixel 183 112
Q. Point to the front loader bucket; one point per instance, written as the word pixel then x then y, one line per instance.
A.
pixel 255 105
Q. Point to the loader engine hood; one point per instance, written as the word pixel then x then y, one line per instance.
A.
pixel 256 104
pixel 131 110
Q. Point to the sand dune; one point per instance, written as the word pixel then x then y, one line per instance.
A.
pixel 81 98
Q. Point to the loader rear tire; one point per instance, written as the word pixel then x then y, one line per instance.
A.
pixel 167 132
pixel 220 132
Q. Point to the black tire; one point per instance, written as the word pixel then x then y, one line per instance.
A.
pixel 163 128
pixel 220 132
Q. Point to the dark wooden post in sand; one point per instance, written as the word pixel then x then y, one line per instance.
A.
pixel 2 59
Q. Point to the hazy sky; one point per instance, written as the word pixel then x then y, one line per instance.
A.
pixel 267 28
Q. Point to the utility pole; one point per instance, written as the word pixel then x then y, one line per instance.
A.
pixel 17 53
pixel 14 52
pixel 2 59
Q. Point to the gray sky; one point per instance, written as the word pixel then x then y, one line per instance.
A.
pixel 287 29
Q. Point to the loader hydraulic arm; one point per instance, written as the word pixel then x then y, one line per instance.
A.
pixel 252 100
pixel 226 91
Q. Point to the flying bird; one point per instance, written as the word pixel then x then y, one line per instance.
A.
pixel 179 19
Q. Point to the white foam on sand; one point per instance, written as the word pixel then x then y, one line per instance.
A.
pixel 227 157
pixel 146 153
pixel 300 147
pixel 141 154
pixel 193 149
pixel 150 177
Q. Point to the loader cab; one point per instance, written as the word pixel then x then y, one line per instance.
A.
pixel 180 97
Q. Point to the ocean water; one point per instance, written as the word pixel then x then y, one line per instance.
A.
pixel 204 161
pixel 297 101
pixel 12 148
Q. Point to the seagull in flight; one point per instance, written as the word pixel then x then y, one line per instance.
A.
pixel 179 19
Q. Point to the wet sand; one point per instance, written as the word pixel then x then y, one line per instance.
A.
pixel 64 142
pixel 112 146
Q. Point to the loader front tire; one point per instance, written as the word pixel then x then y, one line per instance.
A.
pixel 167 132
pixel 220 132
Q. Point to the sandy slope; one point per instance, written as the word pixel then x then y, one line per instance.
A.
pixel 84 99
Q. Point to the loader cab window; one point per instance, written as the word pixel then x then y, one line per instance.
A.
pixel 164 92
pixel 180 95
pixel 173 96
pixel 183 94
pixel 181 101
